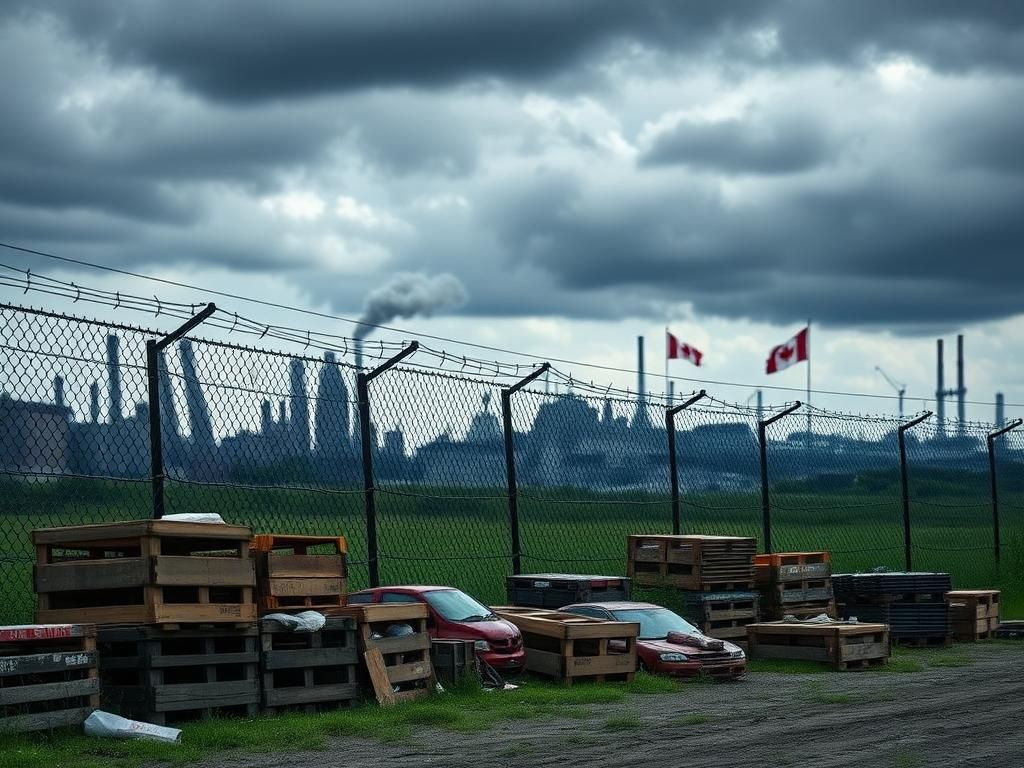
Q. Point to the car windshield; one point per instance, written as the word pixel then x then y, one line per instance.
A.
pixel 656 623
pixel 454 605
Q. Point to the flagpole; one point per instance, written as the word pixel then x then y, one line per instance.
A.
pixel 808 382
pixel 666 365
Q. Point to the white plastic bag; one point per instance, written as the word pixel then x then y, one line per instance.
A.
pixel 194 517
pixel 307 621
pixel 112 726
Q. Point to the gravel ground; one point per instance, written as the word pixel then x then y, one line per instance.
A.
pixel 943 716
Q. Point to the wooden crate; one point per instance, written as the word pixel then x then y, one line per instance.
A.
pixel 309 670
pixel 144 572
pixel 722 615
pixel 844 646
pixel 806 610
pixel 48 676
pixel 299 573
pixel 568 647
pixel 783 567
pixel 974 614
pixel 405 660
pixel 165 675
pixel 698 563
pixel 454 661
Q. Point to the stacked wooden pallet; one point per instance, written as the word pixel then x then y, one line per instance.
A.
pixel 714 573
pixel 309 670
pixel 299 573
pixel 454 661
pixel 395 649
pixel 48 676
pixel 974 614
pixel 569 647
pixel 795 584
pixel 554 590
pixel 844 646
pixel 175 610
pixel 912 604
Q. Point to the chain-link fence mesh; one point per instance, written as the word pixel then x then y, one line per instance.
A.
pixel 273 441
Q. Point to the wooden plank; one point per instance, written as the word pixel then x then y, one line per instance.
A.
pixel 798 652
pixel 134 529
pixel 303 566
pixel 229 693
pixel 379 677
pixel 313 694
pixel 175 660
pixel 299 658
pixel 611 664
pixel 32 632
pixel 65 689
pixel 404 673
pixel 117 614
pixel 82 575
pixel 405 644
pixel 545 663
pixel 41 663
pixel 380 612
pixel 172 570
pixel 44 721
pixel 189 613
pixel 291 587
pixel 849 652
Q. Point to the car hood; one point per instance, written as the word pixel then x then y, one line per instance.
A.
pixel 663 646
pixel 498 629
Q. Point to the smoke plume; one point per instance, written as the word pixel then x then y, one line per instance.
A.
pixel 410 294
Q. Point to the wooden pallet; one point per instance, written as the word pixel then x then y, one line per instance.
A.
pixel 844 646
pixel 807 610
pixel 48 676
pixel 727 629
pixel 309 670
pixel 299 573
pixel 699 563
pixel 158 675
pixel 973 614
pixel 391 663
pixel 792 566
pixel 454 661
pixel 799 591
pixel 144 572
pixel 569 647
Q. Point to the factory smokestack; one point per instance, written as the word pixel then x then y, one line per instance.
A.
pixel 407 294
pixel 114 377
pixel 58 392
pixel 1000 410
pixel 961 390
pixel 94 402
pixel 640 368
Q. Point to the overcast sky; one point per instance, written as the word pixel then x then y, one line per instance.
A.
pixel 588 170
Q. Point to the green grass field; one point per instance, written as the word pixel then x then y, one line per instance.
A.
pixel 461 537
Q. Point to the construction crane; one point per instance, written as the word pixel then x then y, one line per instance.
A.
pixel 901 389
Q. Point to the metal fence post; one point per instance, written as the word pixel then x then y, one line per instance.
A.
pixel 510 463
pixel 670 427
pixel 991 441
pixel 156 450
pixel 907 555
pixel 762 439
pixel 365 435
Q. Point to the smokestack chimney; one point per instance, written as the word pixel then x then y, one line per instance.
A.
pixel 359 353
pixel 281 418
pixel 640 368
pixel 94 402
pixel 266 419
pixel 58 392
pixel 1000 410
pixel 961 390
pixel 114 377
pixel 940 395
pixel 671 391
pixel 760 405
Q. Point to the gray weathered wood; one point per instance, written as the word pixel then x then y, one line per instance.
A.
pixel 310 657
pixel 205 695
pixel 65 689
pixel 40 663
pixel 203 571
pixel 81 575
pixel 44 721
pixel 314 694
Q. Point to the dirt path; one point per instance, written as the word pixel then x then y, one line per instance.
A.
pixel 956 716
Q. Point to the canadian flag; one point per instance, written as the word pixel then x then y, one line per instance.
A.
pixel 678 349
pixel 790 353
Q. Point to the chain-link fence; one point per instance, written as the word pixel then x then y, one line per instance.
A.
pixel 423 490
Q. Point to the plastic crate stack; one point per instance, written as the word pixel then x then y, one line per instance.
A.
pixel 795 584
pixel 174 608
pixel 912 604
pixel 713 574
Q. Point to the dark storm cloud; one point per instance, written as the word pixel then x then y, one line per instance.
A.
pixel 248 50
pixel 787 145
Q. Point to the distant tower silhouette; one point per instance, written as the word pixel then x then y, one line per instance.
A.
pixel 332 415
pixel 58 392
pixel 266 418
pixel 299 423
pixel 114 377
pixel 195 401
pixel 170 427
pixel 94 402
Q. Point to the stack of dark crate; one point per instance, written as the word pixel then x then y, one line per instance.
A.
pixel 555 590
pixel 174 605
pixel 912 604
pixel 48 676
pixel 714 574
pixel 974 614
pixel 795 584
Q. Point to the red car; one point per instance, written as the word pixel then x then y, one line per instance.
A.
pixel 668 643
pixel 454 615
